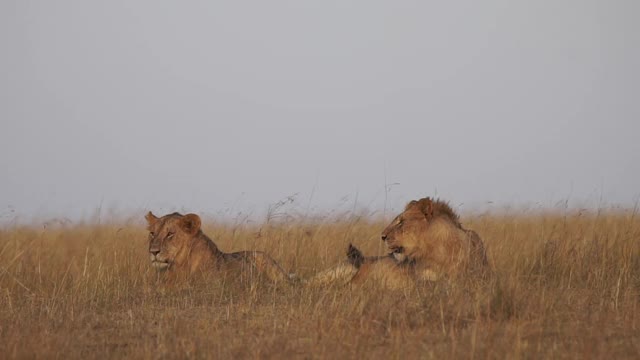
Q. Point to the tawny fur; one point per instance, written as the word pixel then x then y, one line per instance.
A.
pixel 385 271
pixel 338 275
pixel 429 234
pixel 178 246
pixel 426 241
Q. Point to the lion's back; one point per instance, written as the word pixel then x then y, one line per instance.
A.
pixel 453 248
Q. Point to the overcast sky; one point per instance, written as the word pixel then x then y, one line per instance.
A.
pixel 229 106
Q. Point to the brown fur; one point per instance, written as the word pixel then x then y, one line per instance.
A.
pixel 386 271
pixel 178 245
pixel 429 234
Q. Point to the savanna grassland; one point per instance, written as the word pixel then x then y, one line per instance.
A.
pixel 566 285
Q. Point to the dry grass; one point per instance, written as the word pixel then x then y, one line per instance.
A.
pixel 566 286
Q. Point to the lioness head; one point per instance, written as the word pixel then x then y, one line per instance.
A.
pixel 404 236
pixel 170 237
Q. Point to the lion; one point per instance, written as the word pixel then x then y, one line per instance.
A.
pixel 429 235
pixel 178 245
pixel 426 242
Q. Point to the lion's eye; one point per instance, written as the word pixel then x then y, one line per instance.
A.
pixel 170 235
pixel 151 235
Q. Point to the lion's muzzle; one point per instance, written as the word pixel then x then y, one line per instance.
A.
pixel 158 262
pixel 390 242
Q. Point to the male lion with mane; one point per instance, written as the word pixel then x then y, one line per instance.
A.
pixel 177 244
pixel 426 242
pixel 428 234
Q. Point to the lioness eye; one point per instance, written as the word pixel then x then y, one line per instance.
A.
pixel 170 235
pixel 151 235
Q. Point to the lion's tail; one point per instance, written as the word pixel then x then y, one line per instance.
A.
pixel 338 275
pixel 354 256
pixel 341 273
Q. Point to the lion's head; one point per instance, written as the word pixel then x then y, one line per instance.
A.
pixel 170 237
pixel 405 235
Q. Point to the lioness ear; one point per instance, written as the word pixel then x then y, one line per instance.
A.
pixel 190 223
pixel 151 219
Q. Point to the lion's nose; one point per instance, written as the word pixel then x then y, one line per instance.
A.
pixel 154 252
pixel 384 237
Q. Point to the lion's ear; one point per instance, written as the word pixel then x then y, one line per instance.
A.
pixel 426 207
pixel 190 223
pixel 429 210
pixel 151 219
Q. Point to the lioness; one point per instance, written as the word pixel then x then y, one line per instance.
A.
pixel 177 244
pixel 428 233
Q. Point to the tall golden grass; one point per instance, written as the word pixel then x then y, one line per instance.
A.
pixel 567 285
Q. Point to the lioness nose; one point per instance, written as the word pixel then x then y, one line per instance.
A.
pixel 154 252
pixel 384 237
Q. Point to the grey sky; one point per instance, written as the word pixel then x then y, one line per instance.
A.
pixel 230 106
